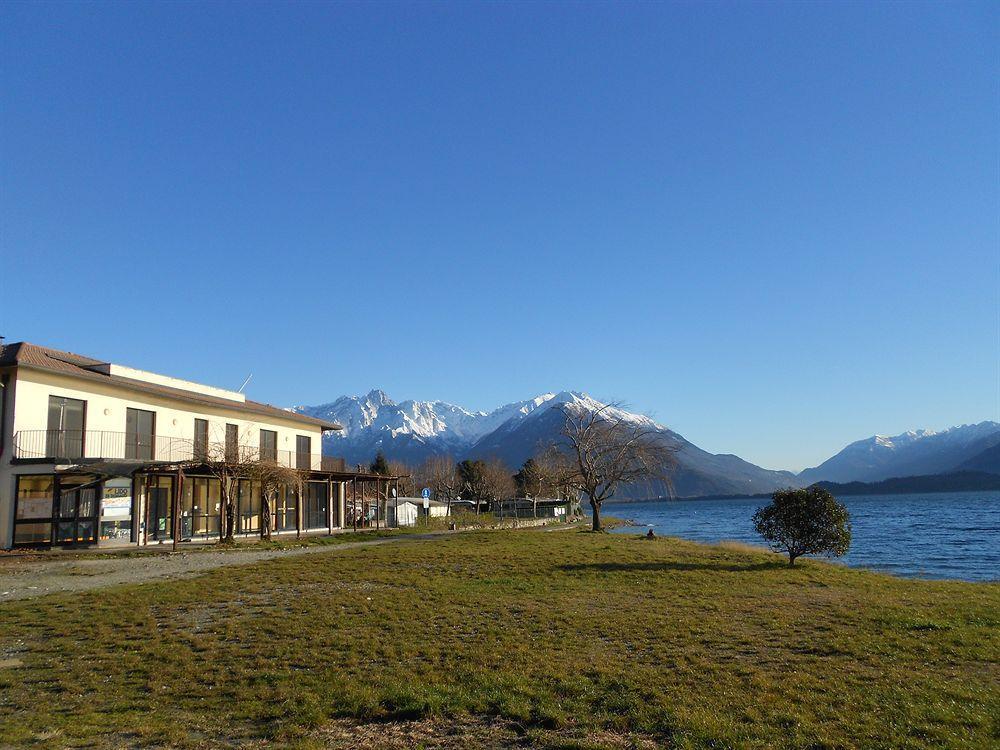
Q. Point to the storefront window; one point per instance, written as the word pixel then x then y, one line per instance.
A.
pixel 34 497
pixel 200 506
pixel 33 514
pixel 116 510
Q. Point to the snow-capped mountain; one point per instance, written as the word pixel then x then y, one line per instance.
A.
pixel 411 431
pixel 912 453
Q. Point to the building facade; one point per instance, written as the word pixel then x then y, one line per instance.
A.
pixel 98 454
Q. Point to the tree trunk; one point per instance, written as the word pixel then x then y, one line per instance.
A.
pixel 230 520
pixel 265 518
pixel 791 560
pixel 597 515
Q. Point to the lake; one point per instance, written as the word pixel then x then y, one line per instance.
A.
pixel 941 535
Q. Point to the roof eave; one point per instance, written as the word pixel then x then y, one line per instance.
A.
pixel 138 386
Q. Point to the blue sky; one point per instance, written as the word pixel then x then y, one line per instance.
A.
pixel 773 227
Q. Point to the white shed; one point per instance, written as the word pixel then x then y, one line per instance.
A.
pixel 412 508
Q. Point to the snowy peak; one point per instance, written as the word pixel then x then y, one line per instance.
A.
pixel 911 453
pixel 411 431
pixel 586 403
pixel 376 411
pixel 440 421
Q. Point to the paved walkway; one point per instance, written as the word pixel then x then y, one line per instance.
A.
pixel 27 578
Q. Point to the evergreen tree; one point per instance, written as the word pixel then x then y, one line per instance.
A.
pixel 380 465
pixel 471 479
pixel 528 479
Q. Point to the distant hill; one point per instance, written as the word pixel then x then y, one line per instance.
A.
pixel 988 461
pixel 914 453
pixel 412 431
pixel 956 481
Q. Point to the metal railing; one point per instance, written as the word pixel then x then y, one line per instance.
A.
pixel 74 445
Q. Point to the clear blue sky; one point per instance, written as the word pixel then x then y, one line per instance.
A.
pixel 774 227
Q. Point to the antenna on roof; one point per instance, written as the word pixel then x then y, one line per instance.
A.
pixel 245 383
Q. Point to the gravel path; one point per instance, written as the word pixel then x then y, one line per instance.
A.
pixel 32 578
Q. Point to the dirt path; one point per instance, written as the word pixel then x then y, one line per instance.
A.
pixel 33 578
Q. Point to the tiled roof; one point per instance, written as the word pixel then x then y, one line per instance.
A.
pixel 23 354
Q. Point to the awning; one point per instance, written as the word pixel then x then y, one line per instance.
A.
pixel 103 468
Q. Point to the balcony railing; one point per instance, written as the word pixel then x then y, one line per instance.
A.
pixel 74 445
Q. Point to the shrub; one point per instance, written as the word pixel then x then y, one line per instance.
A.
pixel 806 521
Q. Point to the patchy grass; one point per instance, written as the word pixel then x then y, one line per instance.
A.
pixel 16 557
pixel 509 639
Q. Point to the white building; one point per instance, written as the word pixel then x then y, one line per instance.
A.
pixel 404 511
pixel 95 453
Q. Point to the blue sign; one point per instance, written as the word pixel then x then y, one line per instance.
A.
pixel 425 493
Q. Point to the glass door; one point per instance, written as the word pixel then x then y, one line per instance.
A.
pixel 64 437
pixel 249 507
pixel 76 519
pixel 140 427
pixel 315 507
pixel 303 452
pixel 159 509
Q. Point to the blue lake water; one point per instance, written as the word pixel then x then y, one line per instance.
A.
pixel 941 535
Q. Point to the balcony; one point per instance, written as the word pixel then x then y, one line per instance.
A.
pixel 100 445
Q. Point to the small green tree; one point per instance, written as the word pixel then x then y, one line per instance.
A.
pixel 380 465
pixel 806 521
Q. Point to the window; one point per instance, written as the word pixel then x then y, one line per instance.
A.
pixel 303 452
pixel 64 438
pixel 268 445
pixel 200 507
pixel 34 497
pixel 140 426
pixel 3 408
pixel 116 511
pixel 232 442
pixel 33 511
pixel 201 438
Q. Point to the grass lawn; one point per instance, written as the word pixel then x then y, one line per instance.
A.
pixel 565 639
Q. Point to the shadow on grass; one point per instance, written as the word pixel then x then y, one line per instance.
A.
pixel 616 567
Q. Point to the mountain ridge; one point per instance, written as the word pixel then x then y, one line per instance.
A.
pixel 911 453
pixel 412 431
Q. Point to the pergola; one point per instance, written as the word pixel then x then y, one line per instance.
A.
pixel 359 481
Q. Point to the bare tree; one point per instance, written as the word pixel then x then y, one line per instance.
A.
pixel 497 482
pixel 607 448
pixel 407 478
pixel 556 472
pixel 228 462
pixel 271 477
pixel 440 475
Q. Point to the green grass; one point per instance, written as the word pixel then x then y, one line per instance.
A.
pixel 575 639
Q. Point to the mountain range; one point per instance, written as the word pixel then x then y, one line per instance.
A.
pixel 970 447
pixel 411 431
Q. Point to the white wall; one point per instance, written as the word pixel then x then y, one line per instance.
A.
pixel 27 409
pixel 106 405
